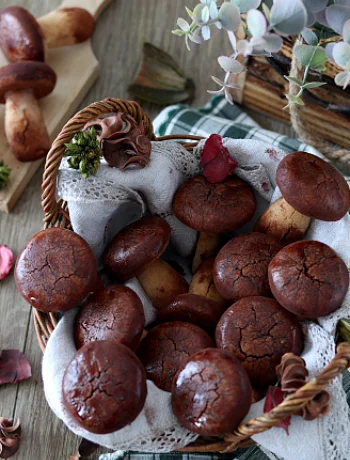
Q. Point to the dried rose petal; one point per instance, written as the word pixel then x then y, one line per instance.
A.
pixel 14 367
pixel 274 397
pixel 6 261
pixel 216 161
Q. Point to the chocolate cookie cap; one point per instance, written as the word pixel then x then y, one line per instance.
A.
pixel 313 187
pixel 136 247
pixel 258 331
pixel 113 313
pixel 56 270
pixel 194 309
pixel 241 267
pixel 167 346
pixel 211 393
pixel 309 279
pixel 104 387
pixel 220 207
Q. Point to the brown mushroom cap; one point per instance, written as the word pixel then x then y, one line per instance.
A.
pixel 79 21
pixel 218 208
pixel 27 75
pixel 21 38
pixel 313 187
pixel 136 247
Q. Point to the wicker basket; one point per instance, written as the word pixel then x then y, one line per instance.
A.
pixel 57 215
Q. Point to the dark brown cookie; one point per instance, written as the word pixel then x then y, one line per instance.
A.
pixel 258 331
pixel 309 279
pixel 56 270
pixel 240 268
pixel 313 187
pixel 114 313
pixel 218 208
pixel 194 309
pixel 136 247
pixel 211 393
pixel 166 347
pixel 104 387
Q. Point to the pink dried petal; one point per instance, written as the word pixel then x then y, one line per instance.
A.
pixel 216 161
pixel 274 397
pixel 6 261
pixel 14 367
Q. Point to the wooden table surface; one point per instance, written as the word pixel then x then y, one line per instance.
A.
pixel 117 43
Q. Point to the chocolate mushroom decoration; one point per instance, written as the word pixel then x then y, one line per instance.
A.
pixel 21 85
pixel 207 246
pixel 56 270
pixel 23 38
pixel 135 251
pixel 310 188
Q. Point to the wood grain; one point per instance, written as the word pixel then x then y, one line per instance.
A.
pixel 117 43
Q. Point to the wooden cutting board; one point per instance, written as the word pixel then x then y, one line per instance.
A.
pixel 77 69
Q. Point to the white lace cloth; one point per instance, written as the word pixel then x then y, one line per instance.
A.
pixel 101 205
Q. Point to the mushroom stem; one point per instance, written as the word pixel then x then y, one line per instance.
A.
pixel 283 222
pixel 207 246
pixel 66 26
pixel 162 284
pixel 24 126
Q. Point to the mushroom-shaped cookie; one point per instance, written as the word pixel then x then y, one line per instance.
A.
pixel 21 85
pixel 104 387
pixel 135 251
pixel 309 279
pixel 167 346
pixel 113 313
pixel 56 270
pixel 192 308
pixel 202 283
pixel 311 187
pixel 208 244
pixel 220 207
pixel 258 331
pixel 211 393
pixel 241 267
pixel 23 38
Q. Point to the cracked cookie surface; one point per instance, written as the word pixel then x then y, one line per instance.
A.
pixel 56 270
pixel 211 393
pixel 258 331
pixel 241 267
pixel 104 387
pixel 167 346
pixel 114 313
pixel 309 279
pixel 220 207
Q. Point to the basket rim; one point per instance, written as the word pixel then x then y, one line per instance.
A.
pixel 57 215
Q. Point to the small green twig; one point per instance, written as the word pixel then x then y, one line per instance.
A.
pixel 5 172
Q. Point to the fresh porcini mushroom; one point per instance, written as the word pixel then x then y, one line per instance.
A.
pixel 135 251
pixel 21 85
pixel 312 188
pixel 23 38
pixel 207 246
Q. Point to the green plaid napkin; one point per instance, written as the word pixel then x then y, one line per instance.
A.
pixel 229 121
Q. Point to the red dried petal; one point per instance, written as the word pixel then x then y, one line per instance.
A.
pixel 14 367
pixel 6 261
pixel 215 160
pixel 274 397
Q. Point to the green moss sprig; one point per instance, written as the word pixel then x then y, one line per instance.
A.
pixel 5 172
pixel 84 153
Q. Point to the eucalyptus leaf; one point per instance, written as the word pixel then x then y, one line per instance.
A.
pixel 346 31
pixel 197 14
pixel 336 16
pixel 256 23
pixel 295 99
pixel 213 10
pixel 273 43
pixel 183 24
pixel 230 64
pixel 295 80
pixel 341 53
pixel 195 36
pixel 206 32
pixel 266 11
pixel 329 51
pixel 189 12
pixel 314 84
pixel 315 5
pixel 178 32
pixel 342 2
pixel 205 14
pixel 312 56
pixel 288 17
pixel 246 5
pixel 311 18
pixel 229 16
pixel 342 79
pixel 321 18
pixel 310 37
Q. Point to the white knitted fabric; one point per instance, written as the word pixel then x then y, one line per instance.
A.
pixel 101 205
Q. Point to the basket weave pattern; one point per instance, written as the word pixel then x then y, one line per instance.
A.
pixel 57 215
